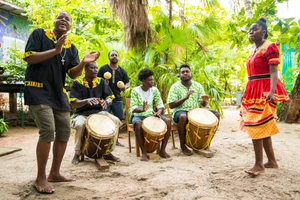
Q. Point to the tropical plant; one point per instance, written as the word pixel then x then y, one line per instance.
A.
pixel 14 65
pixel 3 126
pixel 203 35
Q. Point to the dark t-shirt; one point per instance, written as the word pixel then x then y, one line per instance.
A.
pixel 118 74
pixel 81 89
pixel 44 82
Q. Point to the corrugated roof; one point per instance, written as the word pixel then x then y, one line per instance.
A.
pixel 10 8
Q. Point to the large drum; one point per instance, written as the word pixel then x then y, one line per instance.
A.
pixel 154 131
pixel 201 127
pixel 99 136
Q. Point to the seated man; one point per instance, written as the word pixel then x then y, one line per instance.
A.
pixel 143 98
pixel 90 95
pixel 185 95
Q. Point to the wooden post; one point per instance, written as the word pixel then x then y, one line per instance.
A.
pixel 13 102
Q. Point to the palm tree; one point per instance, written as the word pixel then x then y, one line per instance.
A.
pixel 248 8
pixel 135 20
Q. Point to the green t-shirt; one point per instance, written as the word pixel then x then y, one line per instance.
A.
pixel 152 96
pixel 178 91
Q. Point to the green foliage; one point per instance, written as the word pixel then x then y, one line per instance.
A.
pixel 289 79
pixel 3 126
pixel 278 108
pixel 14 65
pixel 214 44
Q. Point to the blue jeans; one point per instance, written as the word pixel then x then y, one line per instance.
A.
pixel 116 108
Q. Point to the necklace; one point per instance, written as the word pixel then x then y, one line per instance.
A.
pixel 63 57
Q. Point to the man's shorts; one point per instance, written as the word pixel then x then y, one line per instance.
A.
pixel 177 114
pixel 52 124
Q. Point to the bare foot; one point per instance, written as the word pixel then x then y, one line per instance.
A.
pixel 186 151
pixel 164 154
pixel 120 144
pixel 144 157
pixel 271 165
pixel 111 157
pixel 75 159
pixel 208 149
pixel 43 187
pixel 255 171
pixel 60 178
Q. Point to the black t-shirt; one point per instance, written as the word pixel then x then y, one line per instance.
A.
pixel 44 82
pixel 118 74
pixel 82 89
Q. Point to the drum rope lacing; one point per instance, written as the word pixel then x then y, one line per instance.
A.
pixel 206 144
pixel 155 142
pixel 108 150
pixel 98 147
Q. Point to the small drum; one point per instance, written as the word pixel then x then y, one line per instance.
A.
pixel 98 137
pixel 154 131
pixel 201 128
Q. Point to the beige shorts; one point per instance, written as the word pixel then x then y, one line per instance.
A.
pixel 53 125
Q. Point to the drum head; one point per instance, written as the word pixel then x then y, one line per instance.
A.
pixel 202 117
pixel 101 125
pixel 154 125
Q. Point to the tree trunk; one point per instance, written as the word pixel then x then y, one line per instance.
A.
pixel 248 8
pixel 170 10
pixel 290 112
pixel 136 25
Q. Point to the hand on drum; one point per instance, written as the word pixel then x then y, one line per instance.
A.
pixel 205 98
pixel 92 101
pixel 103 103
pixel 204 101
pixel 156 114
pixel 96 101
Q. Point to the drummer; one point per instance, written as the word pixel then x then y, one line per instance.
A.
pixel 143 99
pixel 185 95
pixel 90 95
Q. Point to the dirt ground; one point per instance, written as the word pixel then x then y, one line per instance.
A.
pixel 181 177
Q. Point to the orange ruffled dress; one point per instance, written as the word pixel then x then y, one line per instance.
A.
pixel 258 117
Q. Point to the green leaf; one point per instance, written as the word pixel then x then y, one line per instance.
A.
pixel 277 27
pixel 293 45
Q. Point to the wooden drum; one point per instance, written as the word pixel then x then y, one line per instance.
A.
pixel 154 131
pixel 201 128
pixel 99 136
